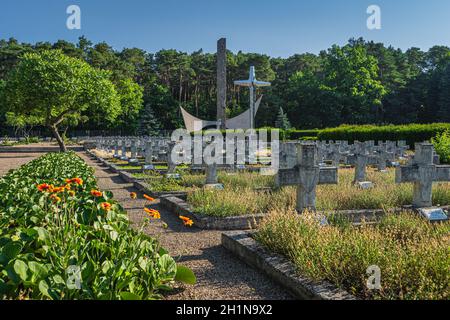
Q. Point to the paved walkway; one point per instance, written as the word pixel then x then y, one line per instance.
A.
pixel 11 160
pixel 219 274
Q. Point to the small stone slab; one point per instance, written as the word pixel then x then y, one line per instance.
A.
pixel 365 185
pixel 175 176
pixel 149 167
pixel 124 158
pixel 215 186
pixel 433 214
pixel 133 161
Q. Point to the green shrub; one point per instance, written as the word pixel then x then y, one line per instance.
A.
pixel 411 133
pixel 46 233
pixel 442 145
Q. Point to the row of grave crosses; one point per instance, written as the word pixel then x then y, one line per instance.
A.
pixel 304 164
pixel 304 170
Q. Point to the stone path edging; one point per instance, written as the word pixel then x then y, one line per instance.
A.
pixel 280 269
pixel 181 207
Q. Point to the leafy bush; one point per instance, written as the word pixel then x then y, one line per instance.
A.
pixel 411 253
pixel 411 133
pixel 442 145
pixel 48 233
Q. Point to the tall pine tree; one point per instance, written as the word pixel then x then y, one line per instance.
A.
pixel 282 121
pixel 148 123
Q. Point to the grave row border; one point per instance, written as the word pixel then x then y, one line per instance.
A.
pixel 280 269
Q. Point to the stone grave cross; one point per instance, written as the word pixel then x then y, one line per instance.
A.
pixel 306 175
pixel 422 172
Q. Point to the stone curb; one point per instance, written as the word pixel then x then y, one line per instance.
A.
pixel 181 207
pixel 281 270
pixel 36 149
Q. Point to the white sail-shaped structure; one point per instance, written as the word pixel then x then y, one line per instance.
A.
pixel 243 121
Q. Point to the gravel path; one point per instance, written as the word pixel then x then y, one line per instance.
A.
pixel 220 275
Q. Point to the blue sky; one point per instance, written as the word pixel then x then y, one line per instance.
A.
pixel 277 28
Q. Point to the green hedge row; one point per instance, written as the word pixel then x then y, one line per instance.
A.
pixel 411 133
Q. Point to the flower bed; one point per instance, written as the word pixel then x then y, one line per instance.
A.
pixel 62 238
pixel 411 253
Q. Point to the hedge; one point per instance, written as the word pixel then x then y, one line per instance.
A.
pixel 411 133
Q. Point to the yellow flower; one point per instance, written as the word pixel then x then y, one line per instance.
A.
pixel 55 198
pixel 149 198
pixel 152 213
pixel 44 187
pixel 187 221
pixel 77 181
pixel 133 195
pixel 105 206
pixel 96 193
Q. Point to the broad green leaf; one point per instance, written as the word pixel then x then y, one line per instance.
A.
pixel 129 296
pixel 21 269
pixel 43 288
pixel 168 265
pixel 10 251
pixel 185 275
pixel 39 271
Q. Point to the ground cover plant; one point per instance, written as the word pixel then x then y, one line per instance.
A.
pixel 62 238
pixel 244 199
pixel 411 253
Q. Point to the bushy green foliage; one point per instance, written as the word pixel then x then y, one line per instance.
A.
pixel 411 133
pixel 442 145
pixel 48 87
pixel 44 234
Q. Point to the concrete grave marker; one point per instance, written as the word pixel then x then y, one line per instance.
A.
pixel 423 172
pixel 306 175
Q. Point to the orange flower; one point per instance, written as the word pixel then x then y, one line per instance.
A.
pixel 77 181
pixel 105 206
pixel 68 187
pixel 149 198
pixel 58 189
pixel 152 213
pixel 55 198
pixel 44 187
pixel 187 221
pixel 133 195
pixel 96 193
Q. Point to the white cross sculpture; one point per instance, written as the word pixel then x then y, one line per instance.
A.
pixel 252 83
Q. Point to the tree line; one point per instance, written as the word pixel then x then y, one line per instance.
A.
pixel 362 82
